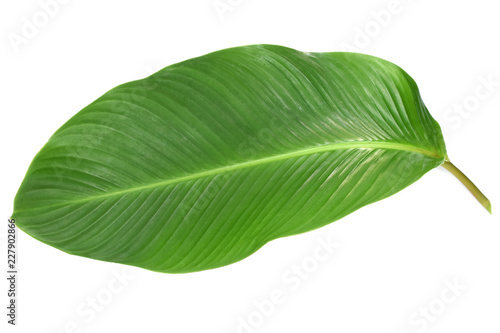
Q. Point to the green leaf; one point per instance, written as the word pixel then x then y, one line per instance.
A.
pixel 203 162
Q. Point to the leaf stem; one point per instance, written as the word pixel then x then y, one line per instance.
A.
pixel 469 184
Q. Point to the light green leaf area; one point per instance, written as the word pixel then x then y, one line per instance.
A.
pixel 202 163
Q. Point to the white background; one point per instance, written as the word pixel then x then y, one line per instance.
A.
pixel 394 257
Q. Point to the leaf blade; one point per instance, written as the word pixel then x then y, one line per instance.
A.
pixel 156 172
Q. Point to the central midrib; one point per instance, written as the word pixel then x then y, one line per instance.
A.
pixel 237 166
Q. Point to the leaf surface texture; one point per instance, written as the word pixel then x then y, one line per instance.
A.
pixel 200 164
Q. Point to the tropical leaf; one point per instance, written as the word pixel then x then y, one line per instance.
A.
pixel 203 162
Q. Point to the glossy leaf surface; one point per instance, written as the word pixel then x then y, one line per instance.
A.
pixel 202 163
